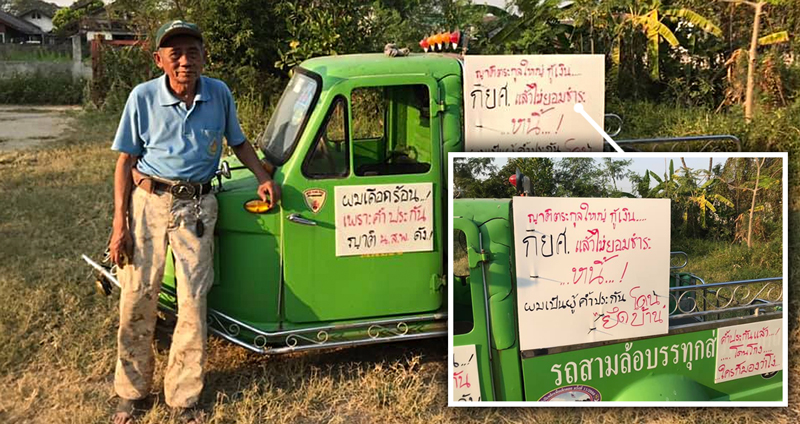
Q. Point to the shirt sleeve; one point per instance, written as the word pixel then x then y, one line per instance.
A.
pixel 127 139
pixel 233 131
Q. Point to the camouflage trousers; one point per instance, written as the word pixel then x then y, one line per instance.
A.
pixel 157 220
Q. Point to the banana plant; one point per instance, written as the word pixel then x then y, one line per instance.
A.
pixel 648 18
pixel 687 196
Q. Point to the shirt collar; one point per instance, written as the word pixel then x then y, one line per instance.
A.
pixel 166 98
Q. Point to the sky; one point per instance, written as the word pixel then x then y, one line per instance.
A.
pixel 640 165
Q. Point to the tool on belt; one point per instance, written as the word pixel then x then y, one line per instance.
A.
pixel 183 190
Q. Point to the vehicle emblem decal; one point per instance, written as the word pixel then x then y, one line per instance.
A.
pixel 575 393
pixel 315 198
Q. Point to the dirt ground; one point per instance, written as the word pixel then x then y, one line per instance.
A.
pixel 23 127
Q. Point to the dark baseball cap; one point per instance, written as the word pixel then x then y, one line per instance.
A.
pixel 173 28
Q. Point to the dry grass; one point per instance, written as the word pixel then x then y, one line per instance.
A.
pixel 58 336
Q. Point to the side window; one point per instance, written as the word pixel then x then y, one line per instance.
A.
pixel 462 296
pixel 391 130
pixel 369 113
pixel 329 157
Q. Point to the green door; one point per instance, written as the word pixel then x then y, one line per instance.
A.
pixel 471 327
pixel 380 134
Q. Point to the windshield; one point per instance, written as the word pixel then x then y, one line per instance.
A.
pixel 289 118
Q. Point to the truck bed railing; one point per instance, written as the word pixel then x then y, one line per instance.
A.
pixel 678 260
pixel 633 145
pixel 724 301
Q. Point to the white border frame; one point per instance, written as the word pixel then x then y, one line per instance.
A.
pixel 673 155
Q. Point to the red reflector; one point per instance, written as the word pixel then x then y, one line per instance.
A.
pixel 513 180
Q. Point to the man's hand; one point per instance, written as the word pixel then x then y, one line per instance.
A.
pixel 246 154
pixel 269 188
pixel 121 246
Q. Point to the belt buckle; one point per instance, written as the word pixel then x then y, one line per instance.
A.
pixel 183 190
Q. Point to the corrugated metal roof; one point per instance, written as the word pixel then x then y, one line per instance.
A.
pixel 19 25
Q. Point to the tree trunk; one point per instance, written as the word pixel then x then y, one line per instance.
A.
pixel 751 66
pixel 753 203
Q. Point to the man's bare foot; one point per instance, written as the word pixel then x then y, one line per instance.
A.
pixel 125 411
pixel 191 416
pixel 122 418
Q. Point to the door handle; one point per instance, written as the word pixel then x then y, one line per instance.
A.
pixel 296 218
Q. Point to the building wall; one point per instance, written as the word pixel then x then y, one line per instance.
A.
pixel 45 23
pixel 9 69
pixel 90 35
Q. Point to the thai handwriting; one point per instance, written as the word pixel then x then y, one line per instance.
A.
pixel 493 99
pixel 625 363
pixel 528 146
pixel 586 274
pixel 747 350
pixel 384 216
pixel 422 233
pixel 370 196
pixel 575 301
pixel 551 71
pixel 371 239
pixel 530 125
pixel 616 216
pixel 560 244
pixel 745 368
pixel 645 311
pixel 733 336
pixel 595 242
pixel 462 371
pixel 533 95
pixel 364 241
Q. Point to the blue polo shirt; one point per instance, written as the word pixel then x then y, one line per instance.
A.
pixel 171 141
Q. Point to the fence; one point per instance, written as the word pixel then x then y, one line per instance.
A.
pixel 21 59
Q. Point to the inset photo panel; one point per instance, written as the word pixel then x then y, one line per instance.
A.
pixel 638 280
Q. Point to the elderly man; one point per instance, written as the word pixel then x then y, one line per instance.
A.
pixel 170 143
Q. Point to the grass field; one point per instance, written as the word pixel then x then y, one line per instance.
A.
pixel 58 336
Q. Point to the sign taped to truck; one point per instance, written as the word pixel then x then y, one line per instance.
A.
pixel 525 103
pixel 384 218
pixel 585 269
pixel 749 349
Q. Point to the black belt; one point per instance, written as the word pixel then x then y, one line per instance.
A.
pixel 182 189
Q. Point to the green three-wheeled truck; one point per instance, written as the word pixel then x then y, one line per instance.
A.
pixel 281 284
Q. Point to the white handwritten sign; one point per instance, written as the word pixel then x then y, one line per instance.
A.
pixel 466 385
pixel 384 218
pixel 524 103
pixel 749 349
pixel 590 269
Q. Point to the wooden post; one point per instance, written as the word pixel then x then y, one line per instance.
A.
pixel 97 70
pixel 751 65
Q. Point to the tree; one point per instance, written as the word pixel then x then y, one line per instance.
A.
pixel 535 29
pixel 647 18
pixel 616 169
pixel 468 174
pixel 756 185
pixel 755 41
pixel 581 177
pixel 693 202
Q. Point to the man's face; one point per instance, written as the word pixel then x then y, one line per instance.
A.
pixel 182 58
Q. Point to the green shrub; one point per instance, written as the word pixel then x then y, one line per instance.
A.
pixel 38 88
